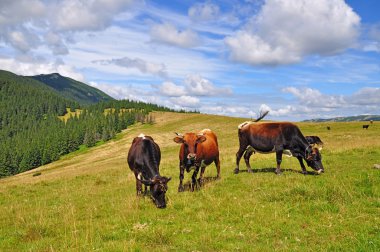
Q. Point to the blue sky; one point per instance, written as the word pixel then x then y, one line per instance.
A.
pixel 300 59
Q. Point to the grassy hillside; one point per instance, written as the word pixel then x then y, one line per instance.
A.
pixel 366 118
pixel 72 89
pixel 86 201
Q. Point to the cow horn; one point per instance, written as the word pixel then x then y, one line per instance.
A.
pixel 178 134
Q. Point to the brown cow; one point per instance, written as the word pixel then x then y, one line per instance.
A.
pixel 281 137
pixel 197 151
pixel 144 158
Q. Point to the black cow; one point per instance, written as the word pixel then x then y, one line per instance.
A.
pixel 144 158
pixel 281 137
pixel 365 126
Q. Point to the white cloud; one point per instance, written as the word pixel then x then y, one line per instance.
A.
pixel 366 96
pixel 170 89
pixel 16 12
pixel 278 112
pixel 286 31
pixel 194 85
pixel 203 12
pixel 168 33
pixel 197 85
pixel 77 15
pixel 142 65
pixel 35 68
pixel 186 101
pixel 314 98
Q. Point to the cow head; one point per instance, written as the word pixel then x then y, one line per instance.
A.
pixel 158 187
pixel 314 158
pixel 189 143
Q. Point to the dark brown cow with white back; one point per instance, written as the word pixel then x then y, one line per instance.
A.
pixel 197 151
pixel 278 137
pixel 144 158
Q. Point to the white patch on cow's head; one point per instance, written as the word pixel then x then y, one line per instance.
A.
pixel 142 136
pixel 139 176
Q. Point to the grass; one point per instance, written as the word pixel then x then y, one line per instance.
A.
pixel 87 201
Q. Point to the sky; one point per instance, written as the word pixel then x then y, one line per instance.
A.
pixel 299 59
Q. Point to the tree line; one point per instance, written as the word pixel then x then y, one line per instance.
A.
pixel 31 134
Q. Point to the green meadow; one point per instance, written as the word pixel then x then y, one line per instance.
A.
pixel 87 201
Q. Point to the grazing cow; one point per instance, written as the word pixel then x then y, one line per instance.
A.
pixel 279 137
pixel 371 122
pixel 144 158
pixel 315 141
pixel 328 128
pixel 365 126
pixel 197 151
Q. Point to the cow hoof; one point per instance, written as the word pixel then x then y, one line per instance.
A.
pixel 249 170
pixel 236 171
pixel 278 172
pixel 181 189
pixel 304 172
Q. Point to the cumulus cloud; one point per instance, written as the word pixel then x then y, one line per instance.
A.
pixel 169 34
pixel 140 64
pixel 203 12
pixel 284 32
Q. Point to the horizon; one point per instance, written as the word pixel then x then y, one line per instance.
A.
pixel 300 60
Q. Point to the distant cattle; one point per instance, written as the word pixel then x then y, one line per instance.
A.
pixel 365 126
pixel 371 122
pixel 144 158
pixel 315 141
pixel 278 137
pixel 328 128
pixel 196 152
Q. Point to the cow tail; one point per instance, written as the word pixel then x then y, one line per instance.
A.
pixel 262 115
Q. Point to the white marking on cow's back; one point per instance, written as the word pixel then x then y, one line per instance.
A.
pixel 204 131
pixel 142 136
pixel 244 124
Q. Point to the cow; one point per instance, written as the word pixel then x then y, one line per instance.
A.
pixel 196 152
pixel 315 141
pixel 144 158
pixel 278 137
pixel 328 128
pixel 365 126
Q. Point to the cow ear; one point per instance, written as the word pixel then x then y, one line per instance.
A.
pixel 178 139
pixel 201 139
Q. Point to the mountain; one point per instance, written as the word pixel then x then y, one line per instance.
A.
pixel 347 119
pixel 72 89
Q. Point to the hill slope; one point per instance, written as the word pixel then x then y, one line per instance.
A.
pixel 72 89
pixel 347 119
pixel 86 200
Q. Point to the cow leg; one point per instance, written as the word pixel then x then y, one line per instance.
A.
pixel 302 165
pixel 203 168
pixel 217 163
pixel 279 160
pixel 247 155
pixel 239 154
pixel 146 190
pixel 194 178
pixel 181 175
pixel 138 187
